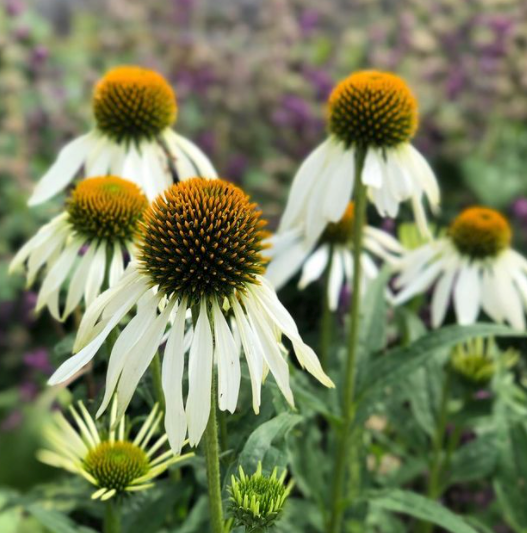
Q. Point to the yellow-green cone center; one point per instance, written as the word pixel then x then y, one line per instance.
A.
pixel 115 465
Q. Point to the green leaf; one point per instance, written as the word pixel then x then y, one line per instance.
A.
pixel 399 363
pixel 259 446
pixel 56 522
pixel 412 504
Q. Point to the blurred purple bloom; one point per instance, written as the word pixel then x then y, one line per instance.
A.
pixel 320 80
pixel 308 22
pixel 39 56
pixel 519 209
pixel 14 7
pixel 27 310
pixel 207 142
pixel 236 167
pixel 28 391
pixel 293 112
pixel 12 421
pixel 38 360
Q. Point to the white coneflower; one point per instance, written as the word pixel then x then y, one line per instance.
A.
pixel 108 460
pixel 473 263
pixel 372 112
pixel 201 250
pixel 93 236
pixel 334 248
pixel 134 110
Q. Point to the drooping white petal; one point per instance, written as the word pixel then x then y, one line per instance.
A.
pixel 421 171
pixel 78 280
pixel 288 253
pixel 227 358
pixel 420 216
pixel 339 177
pixel 76 362
pixel 96 274
pixel 467 294
pixel 490 300
pixel 384 239
pixel 139 358
pixel 173 369
pixel 422 281
pixel 58 273
pixel 63 170
pixel 200 378
pixel 372 174
pixel 196 155
pixel 314 266
pixel 442 293
pixel 155 178
pixel 129 337
pixel 133 167
pixel 100 165
pixel 117 265
pixel 271 351
pixel 307 176
pixel 506 293
pixel 253 352
pixel 336 280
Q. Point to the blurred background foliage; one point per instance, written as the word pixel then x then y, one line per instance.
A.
pixel 252 79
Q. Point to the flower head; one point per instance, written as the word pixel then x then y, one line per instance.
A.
pixel 212 231
pixel 97 230
pixel 200 252
pixel 372 109
pixel 107 459
pixel 476 361
pixel 480 233
pixel 133 103
pixel 474 263
pixel 257 501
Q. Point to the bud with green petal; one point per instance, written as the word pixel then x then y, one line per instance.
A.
pixel 477 360
pixel 256 501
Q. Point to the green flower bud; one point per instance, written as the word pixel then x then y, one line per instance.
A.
pixel 477 360
pixel 256 501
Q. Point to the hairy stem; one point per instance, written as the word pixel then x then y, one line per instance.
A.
pixel 348 404
pixel 326 319
pixel 155 368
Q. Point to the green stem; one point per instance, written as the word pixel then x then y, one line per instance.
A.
pixel 348 405
pixel 155 368
pixel 112 517
pixel 212 459
pixel 222 421
pixel 326 322
pixel 434 480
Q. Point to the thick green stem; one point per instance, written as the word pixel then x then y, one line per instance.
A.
pixel 155 368
pixel 436 470
pixel 212 459
pixel 112 517
pixel 326 321
pixel 348 403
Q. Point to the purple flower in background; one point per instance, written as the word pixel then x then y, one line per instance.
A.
pixel 39 56
pixel 27 309
pixel 28 391
pixel 207 141
pixel 236 167
pixel 38 360
pixel 320 80
pixel 308 22
pixel 519 209
pixel 12 421
pixel 14 7
pixel 293 112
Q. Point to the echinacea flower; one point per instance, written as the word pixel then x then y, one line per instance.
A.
pixel 78 247
pixel 201 250
pixel 109 460
pixel 372 112
pixel 334 249
pixel 475 265
pixel 134 110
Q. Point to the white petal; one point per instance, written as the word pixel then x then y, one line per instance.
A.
pixel 117 265
pixel 133 167
pixel 67 164
pixel 75 363
pixel 100 165
pixel 227 357
pixel 271 352
pixel 442 293
pixel 372 174
pixel 467 295
pixel 78 280
pixel 422 281
pixel 139 358
pixel 340 177
pixel 336 280
pixel 511 304
pixel 155 178
pixel 306 177
pixel 129 337
pixel 173 369
pixel 422 172
pixel 314 267
pixel 200 378
pixel 96 274
pixel 196 155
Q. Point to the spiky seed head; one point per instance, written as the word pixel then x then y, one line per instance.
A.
pixel 106 208
pixel 114 465
pixel 372 109
pixel 257 501
pixel 480 233
pixel 340 232
pixel 133 104
pixel 202 238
